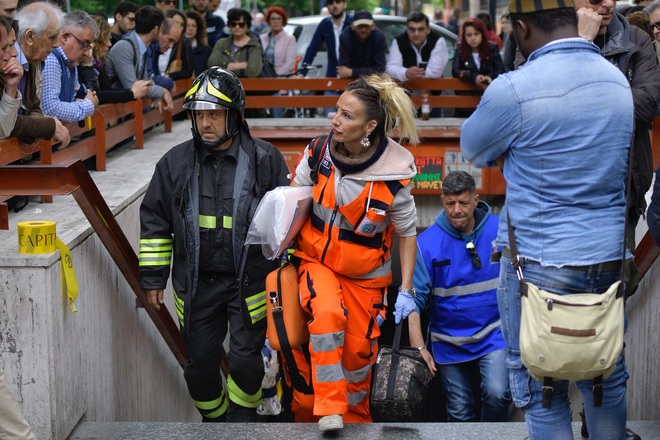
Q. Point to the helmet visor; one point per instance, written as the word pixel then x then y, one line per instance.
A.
pixel 203 105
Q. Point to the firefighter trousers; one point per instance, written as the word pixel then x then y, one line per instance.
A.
pixel 343 340
pixel 215 309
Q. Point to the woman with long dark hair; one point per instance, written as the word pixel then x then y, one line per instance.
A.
pixel 196 34
pixel 477 59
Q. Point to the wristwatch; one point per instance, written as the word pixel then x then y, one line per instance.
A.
pixel 409 291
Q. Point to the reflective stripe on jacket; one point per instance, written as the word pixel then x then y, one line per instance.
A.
pixel 464 320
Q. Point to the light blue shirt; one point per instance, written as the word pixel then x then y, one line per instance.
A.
pixel 563 123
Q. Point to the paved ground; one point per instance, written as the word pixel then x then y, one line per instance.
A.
pixel 302 431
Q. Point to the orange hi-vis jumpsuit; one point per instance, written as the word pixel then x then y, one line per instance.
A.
pixel 344 250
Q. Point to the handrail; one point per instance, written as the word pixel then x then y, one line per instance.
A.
pixel 103 139
pixel 646 253
pixel 74 179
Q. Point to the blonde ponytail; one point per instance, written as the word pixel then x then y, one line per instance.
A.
pixel 396 104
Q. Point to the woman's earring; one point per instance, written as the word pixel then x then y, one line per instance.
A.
pixel 365 142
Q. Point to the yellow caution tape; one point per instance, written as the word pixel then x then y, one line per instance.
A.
pixel 39 237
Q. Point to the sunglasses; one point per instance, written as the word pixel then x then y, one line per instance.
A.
pixel 240 24
pixel 595 2
pixel 472 250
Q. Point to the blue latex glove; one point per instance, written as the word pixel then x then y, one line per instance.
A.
pixel 405 305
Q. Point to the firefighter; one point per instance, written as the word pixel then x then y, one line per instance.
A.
pixel 362 196
pixel 198 208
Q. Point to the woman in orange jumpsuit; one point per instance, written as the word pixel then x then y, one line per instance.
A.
pixel 361 186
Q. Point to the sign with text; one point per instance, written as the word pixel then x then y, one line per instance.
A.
pixel 429 174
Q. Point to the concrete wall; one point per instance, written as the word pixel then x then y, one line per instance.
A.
pixel 107 362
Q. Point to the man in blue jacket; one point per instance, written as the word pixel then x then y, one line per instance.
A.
pixel 456 283
pixel 328 31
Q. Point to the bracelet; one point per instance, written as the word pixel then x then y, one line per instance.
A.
pixel 411 292
pixel 423 347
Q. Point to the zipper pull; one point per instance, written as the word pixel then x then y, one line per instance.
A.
pixel 549 301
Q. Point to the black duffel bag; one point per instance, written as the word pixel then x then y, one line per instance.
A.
pixel 401 378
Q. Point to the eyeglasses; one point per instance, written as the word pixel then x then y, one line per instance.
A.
pixel 275 19
pixel 472 250
pixel 653 26
pixel 416 29
pixel 240 24
pixel 84 45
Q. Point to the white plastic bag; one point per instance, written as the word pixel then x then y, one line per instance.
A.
pixel 278 219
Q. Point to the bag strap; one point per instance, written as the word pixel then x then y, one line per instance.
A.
pixel 316 156
pixel 622 286
pixel 297 380
pixel 178 50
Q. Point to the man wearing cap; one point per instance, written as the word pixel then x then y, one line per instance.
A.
pixel 197 209
pixel 559 162
pixel 362 47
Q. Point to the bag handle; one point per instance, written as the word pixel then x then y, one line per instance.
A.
pixel 396 344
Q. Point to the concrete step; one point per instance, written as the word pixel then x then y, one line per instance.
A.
pixel 301 431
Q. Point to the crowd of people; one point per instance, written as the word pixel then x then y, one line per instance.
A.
pixel 578 58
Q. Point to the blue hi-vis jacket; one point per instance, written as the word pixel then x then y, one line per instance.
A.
pixel 461 301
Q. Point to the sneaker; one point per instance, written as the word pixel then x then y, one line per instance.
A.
pixel 334 422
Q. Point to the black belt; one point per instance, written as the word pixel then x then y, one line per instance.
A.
pixel 607 266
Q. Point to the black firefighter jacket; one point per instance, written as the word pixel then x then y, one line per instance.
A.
pixel 170 210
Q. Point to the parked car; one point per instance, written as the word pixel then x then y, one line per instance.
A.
pixel 303 29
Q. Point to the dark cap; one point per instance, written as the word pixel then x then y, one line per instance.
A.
pixel 529 6
pixel 362 18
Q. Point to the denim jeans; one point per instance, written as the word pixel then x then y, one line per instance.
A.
pixel 605 422
pixel 495 394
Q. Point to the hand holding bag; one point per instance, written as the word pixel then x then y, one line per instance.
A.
pixel 401 378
